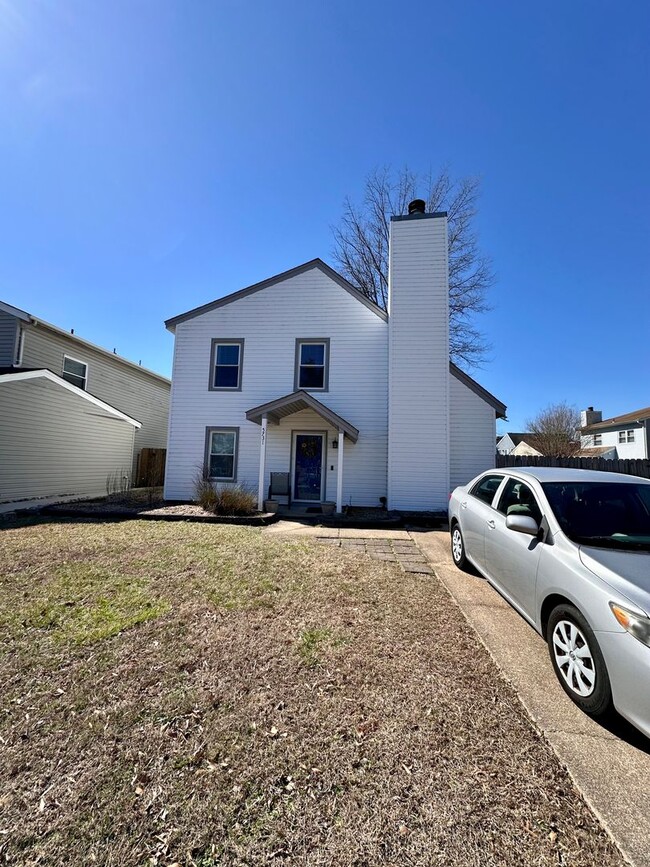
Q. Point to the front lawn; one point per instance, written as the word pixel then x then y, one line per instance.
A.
pixel 188 694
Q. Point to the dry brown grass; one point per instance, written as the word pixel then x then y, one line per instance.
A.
pixel 280 703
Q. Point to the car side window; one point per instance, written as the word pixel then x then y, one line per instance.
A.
pixel 518 499
pixel 486 488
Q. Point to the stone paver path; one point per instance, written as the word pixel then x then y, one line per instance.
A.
pixel 402 551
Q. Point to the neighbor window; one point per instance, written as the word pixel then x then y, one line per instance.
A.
pixel 312 362
pixel 226 365
pixel 598 439
pixel 626 436
pixel 75 371
pixel 221 453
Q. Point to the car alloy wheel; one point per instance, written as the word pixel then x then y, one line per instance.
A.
pixel 578 660
pixel 573 658
pixel 458 547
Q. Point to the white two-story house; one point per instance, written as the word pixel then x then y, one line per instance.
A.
pixel 624 436
pixel 302 374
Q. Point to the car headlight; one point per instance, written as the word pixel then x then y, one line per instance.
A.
pixel 636 624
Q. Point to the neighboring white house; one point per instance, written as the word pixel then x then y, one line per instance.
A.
pixel 623 436
pixel 71 413
pixel 302 374
pixel 516 443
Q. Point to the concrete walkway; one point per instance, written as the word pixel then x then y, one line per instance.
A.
pixel 611 767
pixel 394 546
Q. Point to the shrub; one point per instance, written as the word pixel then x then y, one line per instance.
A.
pixel 235 500
pixel 204 492
pixel 226 500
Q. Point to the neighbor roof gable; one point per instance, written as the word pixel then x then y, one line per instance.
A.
pixel 18 375
pixel 636 417
pixel 272 281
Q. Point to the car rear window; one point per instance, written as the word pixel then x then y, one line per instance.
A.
pixel 486 488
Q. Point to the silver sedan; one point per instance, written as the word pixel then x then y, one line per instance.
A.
pixel 570 550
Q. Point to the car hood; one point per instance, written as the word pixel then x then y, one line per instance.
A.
pixel 626 571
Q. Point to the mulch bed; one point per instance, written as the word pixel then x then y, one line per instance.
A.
pixel 159 510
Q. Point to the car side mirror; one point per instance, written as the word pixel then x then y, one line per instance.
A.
pixel 522 524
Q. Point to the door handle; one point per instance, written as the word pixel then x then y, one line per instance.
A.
pixel 463 505
pixel 491 525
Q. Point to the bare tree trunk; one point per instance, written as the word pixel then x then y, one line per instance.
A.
pixel 361 247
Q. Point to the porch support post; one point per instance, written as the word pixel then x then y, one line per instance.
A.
pixel 339 474
pixel 260 487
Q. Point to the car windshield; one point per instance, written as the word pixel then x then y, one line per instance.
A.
pixel 602 514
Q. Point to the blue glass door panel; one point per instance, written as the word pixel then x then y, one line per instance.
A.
pixel 309 467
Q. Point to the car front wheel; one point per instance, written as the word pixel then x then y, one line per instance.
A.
pixel 458 547
pixel 578 661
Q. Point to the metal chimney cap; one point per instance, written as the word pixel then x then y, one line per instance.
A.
pixel 417 206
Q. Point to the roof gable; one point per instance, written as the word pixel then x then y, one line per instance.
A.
pixel 19 375
pixel 171 324
pixel 499 407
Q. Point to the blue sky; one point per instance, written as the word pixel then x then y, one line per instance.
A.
pixel 156 155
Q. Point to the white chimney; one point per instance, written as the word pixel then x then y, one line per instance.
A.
pixel 418 361
pixel 590 416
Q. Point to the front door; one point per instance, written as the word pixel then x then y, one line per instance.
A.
pixel 308 467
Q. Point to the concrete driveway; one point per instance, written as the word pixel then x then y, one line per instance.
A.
pixel 610 766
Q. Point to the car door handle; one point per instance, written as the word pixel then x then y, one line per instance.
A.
pixel 463 505
pixel 491 525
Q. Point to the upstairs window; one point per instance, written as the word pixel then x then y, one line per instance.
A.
pixel 312 363
pixel 626 436
pixel 598 439
pixel 75 372
pixel 226 365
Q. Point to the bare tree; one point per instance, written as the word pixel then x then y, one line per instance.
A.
pixel 361 247
pixel 555 430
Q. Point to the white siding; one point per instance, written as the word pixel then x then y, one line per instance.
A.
pixel 134 392
pixel 307 305
pixel 8 335
pixel 53 443
pixel 625 451
pixel 473 434
pixel 418 456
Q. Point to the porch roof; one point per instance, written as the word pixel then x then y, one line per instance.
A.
pixel 296 401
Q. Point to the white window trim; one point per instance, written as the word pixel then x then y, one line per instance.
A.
pixel 77 361
pixel 598 439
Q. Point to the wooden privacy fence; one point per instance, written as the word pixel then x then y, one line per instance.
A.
pixel 630 467
pixel 150 472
